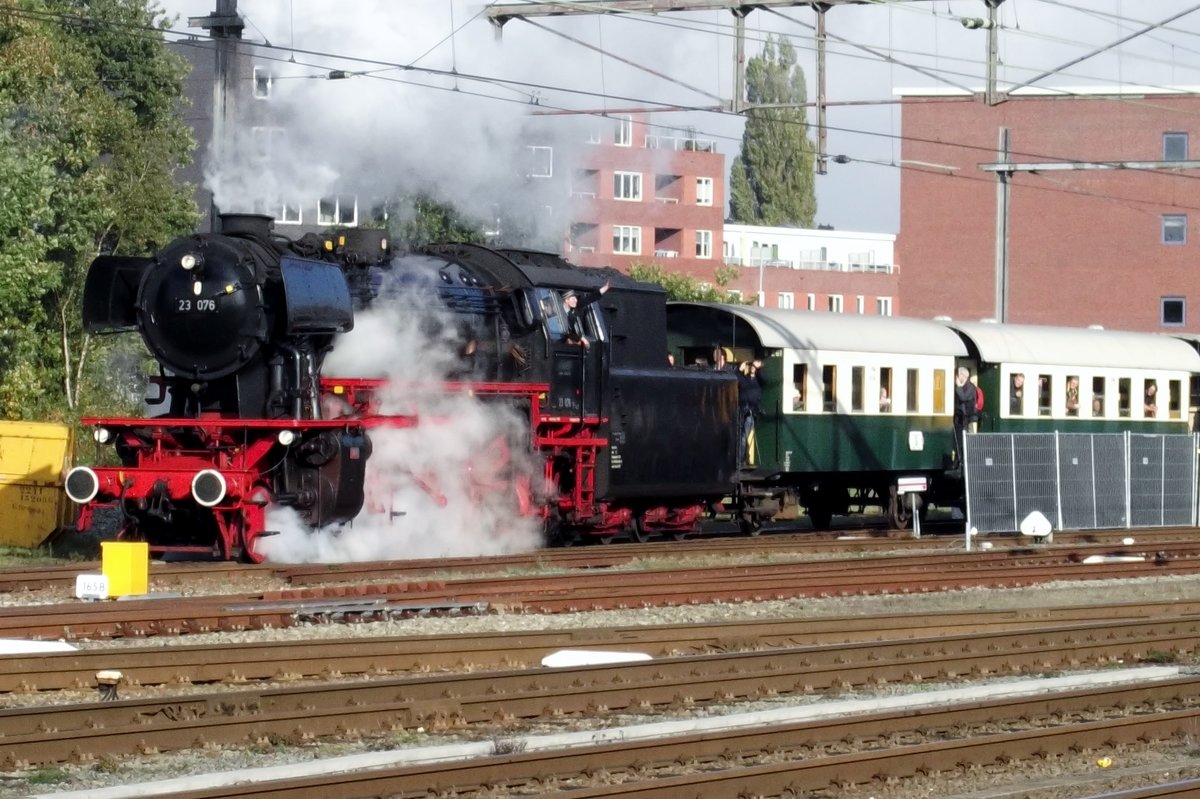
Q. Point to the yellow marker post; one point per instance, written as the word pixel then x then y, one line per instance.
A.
pixel 126 564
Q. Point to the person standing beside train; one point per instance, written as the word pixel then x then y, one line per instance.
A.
pixel 966 413
pixel 750 394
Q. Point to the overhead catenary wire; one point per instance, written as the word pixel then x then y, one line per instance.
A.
pixel 514 84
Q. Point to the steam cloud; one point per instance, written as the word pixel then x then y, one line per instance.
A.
pixel 459 482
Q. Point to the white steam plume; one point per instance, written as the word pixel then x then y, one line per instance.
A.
pixel 458 483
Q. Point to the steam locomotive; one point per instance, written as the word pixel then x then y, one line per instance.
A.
pixel 257 409
pixel 241 322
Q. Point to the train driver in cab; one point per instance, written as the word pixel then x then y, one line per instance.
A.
pixel 574 307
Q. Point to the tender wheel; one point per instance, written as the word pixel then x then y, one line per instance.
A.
pixel 750 524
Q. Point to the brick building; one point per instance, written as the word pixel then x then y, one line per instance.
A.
pixel 1086 243
pixel 640 193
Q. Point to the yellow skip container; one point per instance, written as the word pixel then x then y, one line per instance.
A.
pixel 33 459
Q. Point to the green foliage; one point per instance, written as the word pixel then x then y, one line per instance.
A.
pixel 772 181
pixel 424 219
pixel 686 287
pixel 89 143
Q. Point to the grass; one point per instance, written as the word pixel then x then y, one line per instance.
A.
pixel 47 776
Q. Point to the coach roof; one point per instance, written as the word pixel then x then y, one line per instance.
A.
pixel 1078 346
pixel 778 328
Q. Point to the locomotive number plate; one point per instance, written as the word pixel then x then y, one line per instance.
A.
pixel 200 305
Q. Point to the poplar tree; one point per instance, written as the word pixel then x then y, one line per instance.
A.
pixel 772 181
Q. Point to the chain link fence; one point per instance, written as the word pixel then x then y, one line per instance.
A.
pixel 1080 481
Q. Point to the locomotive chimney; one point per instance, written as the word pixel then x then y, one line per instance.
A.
pixel 256 225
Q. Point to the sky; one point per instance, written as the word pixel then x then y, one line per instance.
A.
pixel 438 90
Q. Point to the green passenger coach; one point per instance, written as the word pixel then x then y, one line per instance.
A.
pixel 850 405
pixel 1040 379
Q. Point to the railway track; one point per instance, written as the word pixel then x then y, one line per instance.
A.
pixel 809 758
pixel 262 661
pixel 593 589
pixel 849 542
pixel 60 733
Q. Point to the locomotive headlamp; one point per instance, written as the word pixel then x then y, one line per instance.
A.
pixel 102 435
pixel 82 484
pixel 286 437
pixel 189 261
pixel 208 487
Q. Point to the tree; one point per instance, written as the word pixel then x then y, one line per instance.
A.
pixel 686 287
pixel 772 180
pixel 423 219
pixel 90 141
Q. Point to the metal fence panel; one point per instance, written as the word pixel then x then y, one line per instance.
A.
pixel 1112 484
pixel 1036 475
pixel 1080 481
pixel 991 500
pixel 1077 481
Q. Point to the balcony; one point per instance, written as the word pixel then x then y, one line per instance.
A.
pixel 817 266
pixel 680 143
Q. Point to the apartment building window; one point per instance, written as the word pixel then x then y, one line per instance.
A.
pixel 623 132
pixel 704 191
pixel 812 302
pixel 627 239
pixel 835 303
pixel 787 300
pixel 627 186
pixel 266 141
pixel 341 209
pixel 541 162
pixel 860 304
pixel 1174 311
pixel 262 83
pixel 1174 229
pixel 704 244
pixel 883 306
pixel 1175 146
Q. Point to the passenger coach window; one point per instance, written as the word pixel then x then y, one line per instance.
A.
pixel 1097 396
pixel 856 388
pixel 1073 395
pixel 829 389
pixel 799 386
pixel 1175 399
pixel 914 390
pixel 939 390
pixel 885 390
pixel 1016 394
pixel 1124 387
pixel 1043 395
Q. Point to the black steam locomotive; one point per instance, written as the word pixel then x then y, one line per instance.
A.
pixel 240 323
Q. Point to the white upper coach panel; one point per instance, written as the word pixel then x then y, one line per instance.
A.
pixel 1077 346
pixel 778 328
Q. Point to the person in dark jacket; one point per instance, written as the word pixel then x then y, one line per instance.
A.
pixel 574 305
pixel 966 414
pixel 750 394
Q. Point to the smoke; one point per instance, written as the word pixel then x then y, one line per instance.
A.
pixel 455 477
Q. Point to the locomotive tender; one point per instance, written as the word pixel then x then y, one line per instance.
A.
pixel 623 444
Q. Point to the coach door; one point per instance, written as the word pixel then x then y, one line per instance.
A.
pixel 576 371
